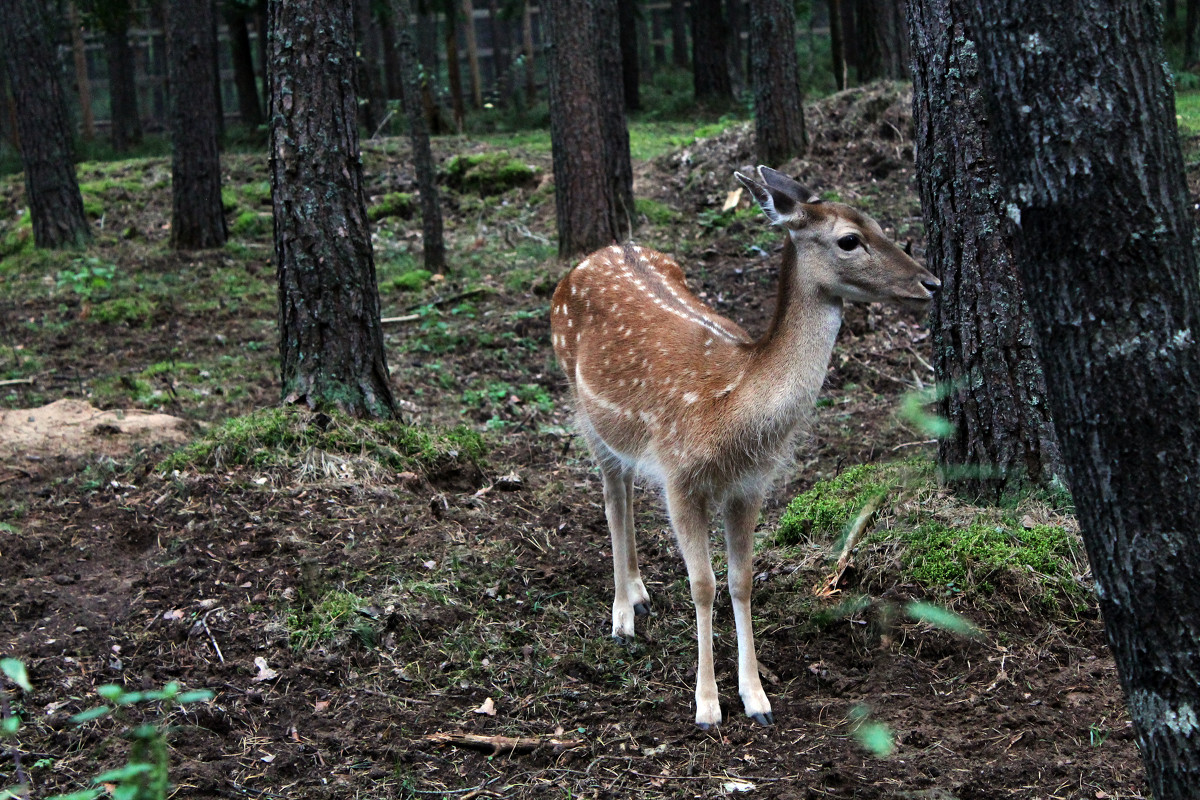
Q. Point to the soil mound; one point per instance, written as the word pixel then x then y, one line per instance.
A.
pixel 75 428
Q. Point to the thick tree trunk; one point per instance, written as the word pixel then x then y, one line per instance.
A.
pixel 1082 117
pixel 249 107
pixel 586 205
pixel 710 53
pixel 393 79
pixel 55 205
pixel 627 18
pixel 198 219
pixel 126 119
pixel 984 352
pixel 679 42
pixel 331 342
pixel 369 74
pixel 882 40
pixel 778 104
pixel 837 44
pixel 431 212
pixel 614 129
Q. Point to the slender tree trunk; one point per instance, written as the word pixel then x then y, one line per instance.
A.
pixel 55 205
pixel 588 211
pixel 452 68
pixel 393 80
pixel 331 342
pixel 985 357
pixel 368 60
pixel 627 35
pixel 249 108
pixel 125 118
pixel 614 128
pixel 1191 33
pixel 527 37
pixel 710 53
pixel 501 58
pixel 468 10
pixel 431 212
pixel 734 13
pixel 837 44
pixel 1118 314
pixel 198 219
pixel 427 53
pixel 644 49
pixel 679 41
pixel 657 34
pixel 778 104
pixel 87 118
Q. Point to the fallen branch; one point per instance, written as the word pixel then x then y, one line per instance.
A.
pixel 454 298
pixel 828 587
pixel 495 745
pixel 16 381
pixel 405 318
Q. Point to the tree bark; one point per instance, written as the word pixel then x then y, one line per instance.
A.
pixel 984 344
pixel 627 18
pixel 1082 118
pixel 778 103
pixel 527 39
pixel 837 44
pixel 1191 35
pixel 125 118
pixel 82 81
pixel 468 10
pixel 431 212
pixel 331 342
pixel 427 53
pixel 452 69
pixel 679 42
pixel 710 53
pixel 657 32
pixel 241 53
pixel 614 128
pixel 369 60
pixel 198 218
pixel 587 208
pixel 55 205
pixel 882 40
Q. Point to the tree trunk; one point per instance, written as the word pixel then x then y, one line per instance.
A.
pixel 644 47
pixel 198 219
pixel 527 38
pixel 984 351
pixel 679 42
pixel 1082 118
pixel 882 40
pixel 614 128
pixel 249 108
pixel 468 10
pixel 331 342
pixel 710 53
pixel 1191 35
pixel 452 69
pixel 55 205
pixel 657 34
pixel 369 58
pixel 588 211
pixel 627 35
pixel 84 84
pixel 431 212
pixel 734 13
pixel 427 53
pixel 214 55
pixel 126 119
pixel 837 44
pixel 778 105
pixel 393 80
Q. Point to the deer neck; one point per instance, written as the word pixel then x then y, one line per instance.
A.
pixel 788 364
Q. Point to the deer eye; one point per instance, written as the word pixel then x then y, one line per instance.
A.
pixel 849 242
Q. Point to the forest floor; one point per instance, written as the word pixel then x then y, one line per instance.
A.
pixel 360 616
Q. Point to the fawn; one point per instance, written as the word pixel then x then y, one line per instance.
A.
pixel 666 387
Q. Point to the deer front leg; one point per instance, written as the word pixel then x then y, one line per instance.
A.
pixel 741 516
pixel 636 589
pixel 618 508
pixel 689 518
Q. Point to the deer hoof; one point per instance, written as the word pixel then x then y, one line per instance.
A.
pixel 642 609
pixel 764 719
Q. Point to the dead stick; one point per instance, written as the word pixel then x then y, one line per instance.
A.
pixel 405 318
pixel 500 744
pixel 828 586
pixel 15 381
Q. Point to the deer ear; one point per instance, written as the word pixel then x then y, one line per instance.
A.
pixel 780 207
pixel 779 183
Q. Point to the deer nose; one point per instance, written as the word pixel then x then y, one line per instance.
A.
pixel 931 283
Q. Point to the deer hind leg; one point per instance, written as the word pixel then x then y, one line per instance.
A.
pixel 741 516
pixel 628 590
pixel 689 518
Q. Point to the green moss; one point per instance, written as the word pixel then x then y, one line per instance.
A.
pixel 284 437
pixel 657 213
pixel 257 193
pixel 132 311
pixel 19 239
pixel 392 204
pixel 251 224
pixel 322 621
pixel 829 506
pixel 411 281
pixel 488 173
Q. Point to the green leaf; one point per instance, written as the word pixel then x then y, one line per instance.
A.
pixel 91 714
pixel 122 773
pixel 110 691
pixel 10 725
pixel 196 696
pixel 14 670
pixel 18 792
pixel 942 618
pixel 86 794
pixel 876 738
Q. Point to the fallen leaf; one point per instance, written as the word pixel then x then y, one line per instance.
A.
pixel 732 787
pixel 732 199
pixel 267 759
pixel 488 707
pixel 320 705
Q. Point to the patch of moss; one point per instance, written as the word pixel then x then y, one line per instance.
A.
pixel 657 213
pixel 829 506
pixel 284 437
pixel 488 173
pixel 19 239
pixel 251 224
pixel 411 281
pixel 392 204
pixel 257 193
pixel 132 311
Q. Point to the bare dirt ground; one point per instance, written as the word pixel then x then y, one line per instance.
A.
pixel 348 627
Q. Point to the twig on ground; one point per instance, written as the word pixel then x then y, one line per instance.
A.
pixel 405 318
pixel 17 381
pixel 513 745
pixel 211 638
pixel 828 587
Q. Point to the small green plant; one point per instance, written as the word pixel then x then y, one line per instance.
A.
pixel 392 204
pixel 251 224
pixel 488 173
pixel 88 277
pixel 411 281
pixel 132 311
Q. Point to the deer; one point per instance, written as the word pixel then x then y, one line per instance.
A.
pixel 665 387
